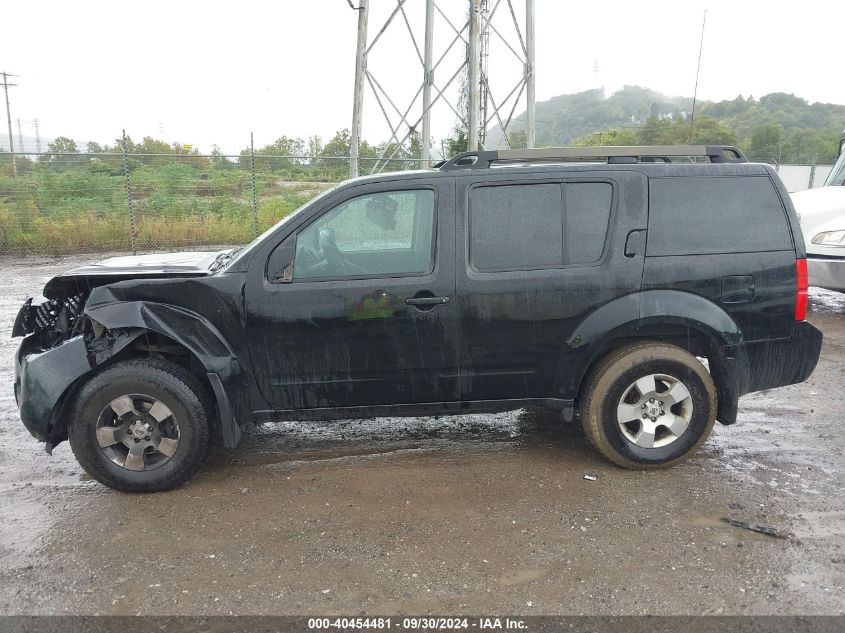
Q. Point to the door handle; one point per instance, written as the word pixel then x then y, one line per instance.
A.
pixel 635 244
pixel 427 301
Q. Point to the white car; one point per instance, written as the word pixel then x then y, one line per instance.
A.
pixel 822 215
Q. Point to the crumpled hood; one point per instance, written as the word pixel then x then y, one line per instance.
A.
pixel 157 265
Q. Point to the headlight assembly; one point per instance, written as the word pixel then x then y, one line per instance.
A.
pixel 829 238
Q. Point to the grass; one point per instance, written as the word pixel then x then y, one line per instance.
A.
pixel 84 208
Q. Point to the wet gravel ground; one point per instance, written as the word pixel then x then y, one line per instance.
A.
pixel 472 514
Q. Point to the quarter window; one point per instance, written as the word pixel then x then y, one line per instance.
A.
pixel 708 215
pixel 514 227
pixel 378 234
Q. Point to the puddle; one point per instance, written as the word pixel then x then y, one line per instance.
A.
pixel 823 301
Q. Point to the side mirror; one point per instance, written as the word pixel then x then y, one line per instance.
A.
pixel 280 262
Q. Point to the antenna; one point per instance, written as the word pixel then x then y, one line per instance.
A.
pixel 697 71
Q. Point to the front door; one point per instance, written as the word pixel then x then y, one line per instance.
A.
pixel 365 315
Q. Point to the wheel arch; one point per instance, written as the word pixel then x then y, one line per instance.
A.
pixel 184 327
pixel 139 329
pixel 688 321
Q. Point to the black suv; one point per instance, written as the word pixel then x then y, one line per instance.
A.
pixel 642 289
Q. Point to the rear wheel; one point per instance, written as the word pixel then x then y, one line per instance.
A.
pixel 649 405
pixel 141 426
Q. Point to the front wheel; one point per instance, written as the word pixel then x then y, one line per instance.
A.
pixel 141 426
pixel 649 405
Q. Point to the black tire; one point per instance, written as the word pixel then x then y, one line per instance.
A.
pixel 612 380
pixel 176 388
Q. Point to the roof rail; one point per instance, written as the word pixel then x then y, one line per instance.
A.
pixel 612 154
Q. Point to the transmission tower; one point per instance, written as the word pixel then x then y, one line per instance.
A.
pixel 484 22
pixel 37 137
pixel 20 136
pixel 484 63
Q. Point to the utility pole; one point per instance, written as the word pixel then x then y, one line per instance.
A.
pixel 358 101
pixel 529 74
pixel 37 137
pixel 473 76
pixel 6 86
pixel 428 81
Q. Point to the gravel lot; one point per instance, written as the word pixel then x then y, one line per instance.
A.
pixel 473 514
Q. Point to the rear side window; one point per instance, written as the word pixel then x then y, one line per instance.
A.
pixel 701 216
pixel 518 227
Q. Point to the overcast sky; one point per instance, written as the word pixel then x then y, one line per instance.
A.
pixel 206 72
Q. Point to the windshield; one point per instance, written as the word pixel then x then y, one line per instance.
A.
pixel 247 250
pixel 837 174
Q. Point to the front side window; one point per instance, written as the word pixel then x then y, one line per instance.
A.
pixel 530 226
pixel 378 234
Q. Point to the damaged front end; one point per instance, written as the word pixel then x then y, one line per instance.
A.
pixel 52 356
pixel 61 346
pixel 120 307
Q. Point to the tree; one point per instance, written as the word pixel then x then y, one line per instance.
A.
pixel 23 165
pixel 61 153
pixel 655 132
pixel 149 145
pixel 315 147
pixel 706 131
pixel 766 142
pixel 333 160
pixel 219 161
pixel 282 146
pixel 456 143
pixel 518 139
pixel 615 136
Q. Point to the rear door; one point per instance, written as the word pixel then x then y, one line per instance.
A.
pixel 726 238
pixel 535 256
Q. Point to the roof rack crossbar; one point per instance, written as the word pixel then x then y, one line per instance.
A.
pixel 613 154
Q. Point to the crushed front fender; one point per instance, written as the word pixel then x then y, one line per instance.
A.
pixel 41 379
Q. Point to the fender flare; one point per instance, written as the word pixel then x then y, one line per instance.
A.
pixel 131 319
pixel 644 313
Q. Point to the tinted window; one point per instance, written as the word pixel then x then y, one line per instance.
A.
pixel 698 216
pixel 385 233
pixel 587 213
pixel 516 227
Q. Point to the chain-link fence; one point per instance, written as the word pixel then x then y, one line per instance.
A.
pixel 120 201
pixel 63 203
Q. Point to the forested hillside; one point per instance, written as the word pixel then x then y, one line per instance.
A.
pixel 777 127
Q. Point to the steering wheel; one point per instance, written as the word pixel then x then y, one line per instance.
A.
pixel 307 260
pixel 334 258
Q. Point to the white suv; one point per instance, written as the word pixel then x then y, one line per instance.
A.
pixel 822 215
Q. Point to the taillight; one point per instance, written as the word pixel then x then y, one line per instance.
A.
pixel 801 298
